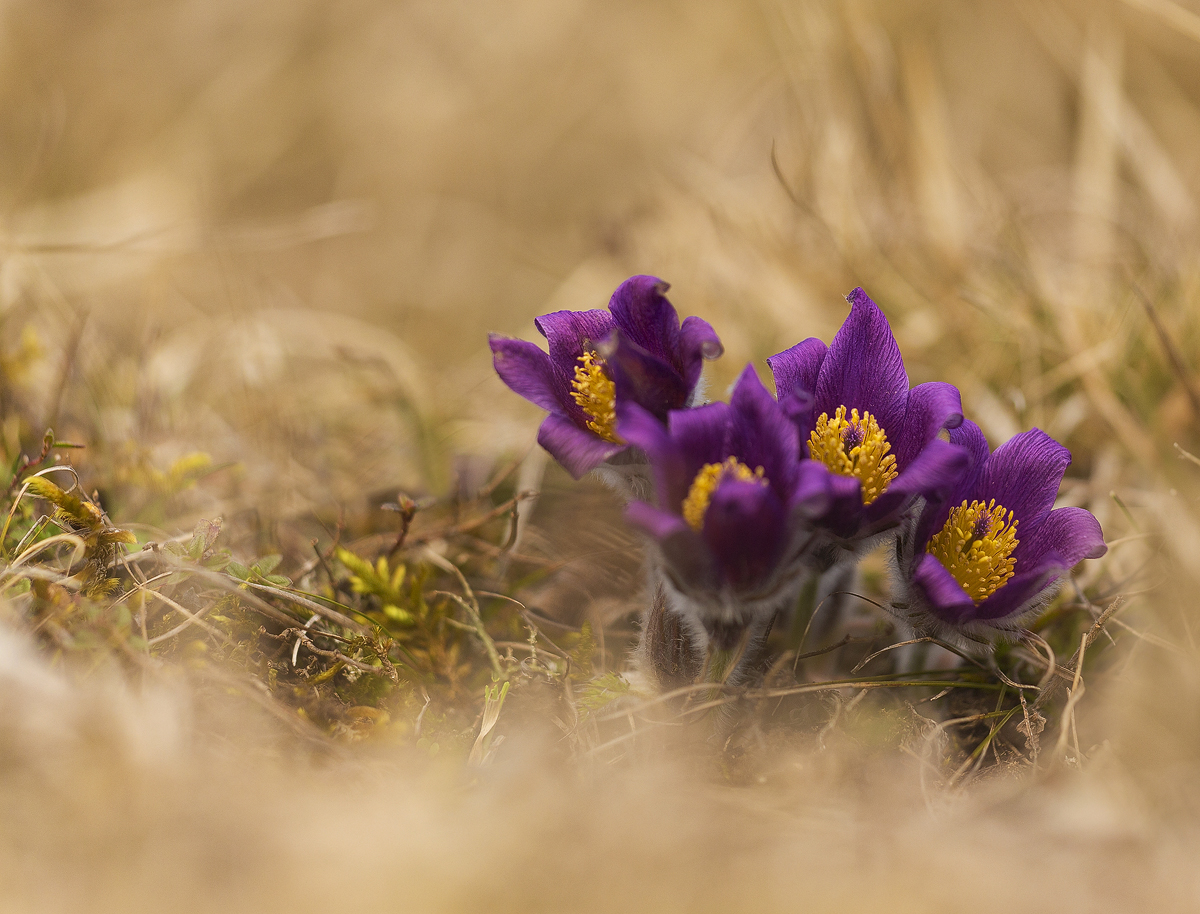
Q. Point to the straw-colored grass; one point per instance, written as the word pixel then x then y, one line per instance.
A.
pixel 249 257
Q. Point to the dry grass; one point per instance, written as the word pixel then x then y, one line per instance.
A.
pixel 278 234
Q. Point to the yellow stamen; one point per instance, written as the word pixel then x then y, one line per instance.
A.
pixel 976 546
pixel 854 447
pixel 596 395
pixel 706 482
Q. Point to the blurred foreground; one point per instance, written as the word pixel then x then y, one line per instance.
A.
pixel 251 255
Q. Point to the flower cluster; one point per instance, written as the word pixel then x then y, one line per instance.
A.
pixel 741 502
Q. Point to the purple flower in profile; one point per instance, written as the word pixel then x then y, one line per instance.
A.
pixel 637 351
pixel 857 419
pixel 733 506
pixel 982 560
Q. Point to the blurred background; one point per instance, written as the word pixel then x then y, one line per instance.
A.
pixel 279 232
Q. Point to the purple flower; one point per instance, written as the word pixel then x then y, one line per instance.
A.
pixel 637 351
pixel 733 504
pixel 982 560
pixel 876 439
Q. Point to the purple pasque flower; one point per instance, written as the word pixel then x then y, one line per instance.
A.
pixel 636 351
pixel 857 419
pixel 983 559
pixel 731 522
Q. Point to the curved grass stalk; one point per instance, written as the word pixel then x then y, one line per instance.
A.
pixel 25 488
pixel 471 605
pixel 193 618
pixel 38 547
pixel 886 681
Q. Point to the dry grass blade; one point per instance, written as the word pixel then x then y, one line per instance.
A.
pixel 1072 670
pixel 1172 352
pixel 1185 455
pixel 1067 728
pixel 193 618
pixel 469 603
pixel 325 612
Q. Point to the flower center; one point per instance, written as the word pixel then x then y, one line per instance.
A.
pixel 976 546
pixel 596 395
pixel 854 447
pixel 706 482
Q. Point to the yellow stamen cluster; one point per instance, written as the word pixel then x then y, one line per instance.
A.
pixel 976 546
pixel 706 482
pixel 854 447
pixel 596 395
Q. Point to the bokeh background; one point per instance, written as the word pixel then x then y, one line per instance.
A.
pixel 279 233
pixel 284 230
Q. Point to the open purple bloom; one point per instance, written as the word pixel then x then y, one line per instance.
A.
pixel 857 419
pixel 984 558
pixel 733 504
pixel 637 351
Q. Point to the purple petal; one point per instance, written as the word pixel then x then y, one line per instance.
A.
pixel 644 315
pixel 697 342
pixel 813 494
pixel 640 308
pixel 798 407
pixel 570 333
pixel 579 451
pixel 933 516
pixel 527 370
pixel 744 527
pixel 1023 474
pixel 654 521
pixel 668 465
pixel 947 600
pixel 796 369
pixel 1017 591
pixel 645 379
pixel 933 475
pixel 843 515
pixel 970 437
pixel 702 434
pixel 761 434
pixel 1066 537
pixel 686 555
pixel 931 407
pixel 863 369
